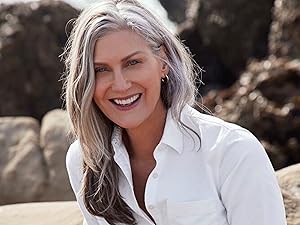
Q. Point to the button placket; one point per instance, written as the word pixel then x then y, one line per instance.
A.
pixel 155 175
pixel 150 193
pixel 151 189
pixel 151 207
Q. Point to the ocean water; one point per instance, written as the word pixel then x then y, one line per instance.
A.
pixel 153 5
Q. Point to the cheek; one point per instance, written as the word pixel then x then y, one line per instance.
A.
pixel 153 87
pixel 153 78
pixel 99 91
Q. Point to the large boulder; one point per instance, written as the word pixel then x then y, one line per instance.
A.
pixel 224 35
pixel 215 75
pixel 266 100
pixel 285 30
pixel 32 36
pixel 43 213
pixel 176 9
pixel 32 160
pixel 22 167
pixel 54 142
pixel 289 181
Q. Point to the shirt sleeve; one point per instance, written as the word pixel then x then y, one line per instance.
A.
pixel 74 165
pixel 249 188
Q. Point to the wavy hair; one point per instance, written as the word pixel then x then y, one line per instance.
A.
pixel 89 125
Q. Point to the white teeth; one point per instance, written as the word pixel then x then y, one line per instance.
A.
pixel 126 101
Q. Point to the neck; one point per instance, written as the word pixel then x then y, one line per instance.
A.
pixel 141 141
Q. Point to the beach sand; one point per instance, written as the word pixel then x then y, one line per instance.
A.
pixel 41 213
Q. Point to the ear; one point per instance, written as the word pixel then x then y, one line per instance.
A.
pixel 164 58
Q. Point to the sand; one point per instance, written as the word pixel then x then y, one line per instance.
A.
pixel 41 213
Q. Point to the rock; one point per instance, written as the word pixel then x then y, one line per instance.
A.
pixel 176 9
pixel 285 30
pixel 32 161
pixel 289 181
pixel 225 35
pixel 266 100
pixel 55 142
pixel 230 31
pixel 216 76
pixel 22 167
pixel 32 36
pixel 44 213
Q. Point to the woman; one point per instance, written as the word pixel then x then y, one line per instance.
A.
pixel 143 155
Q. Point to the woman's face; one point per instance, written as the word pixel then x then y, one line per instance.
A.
pixel 128 79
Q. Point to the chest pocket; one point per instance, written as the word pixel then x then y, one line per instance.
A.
pixel 192 213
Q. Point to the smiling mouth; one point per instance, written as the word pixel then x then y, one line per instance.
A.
pixel 126 102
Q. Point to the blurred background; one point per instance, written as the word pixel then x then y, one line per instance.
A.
pixel 249 51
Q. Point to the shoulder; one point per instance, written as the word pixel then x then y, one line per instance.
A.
pixel 74 163
pixel 207 121
pixel 219 136
pixel 210 127
pixel 229 150
pixel 74 154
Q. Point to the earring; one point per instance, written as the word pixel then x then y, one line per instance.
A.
pixel 165 79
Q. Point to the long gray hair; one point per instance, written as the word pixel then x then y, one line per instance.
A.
pixel 89 124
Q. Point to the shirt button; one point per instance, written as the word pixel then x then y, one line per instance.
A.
pixel 155 175
pixel 151 207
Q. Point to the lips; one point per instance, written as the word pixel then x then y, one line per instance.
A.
pixel 126 101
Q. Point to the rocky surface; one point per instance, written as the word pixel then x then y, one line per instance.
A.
pixel 266 97
pixel 223 37
pixel 266 100
pixel 46 213
pixel 176 9
pixel 54 142
pixel 32 161
pixel 289 181
pixel 230 30
pixel 32 36
pixel 22 167
pixel 285 30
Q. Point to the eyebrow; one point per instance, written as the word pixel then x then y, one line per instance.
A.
pixel 125 58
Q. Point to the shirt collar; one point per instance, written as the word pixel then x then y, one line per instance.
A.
pixel 172 135
pixel 178 136
pixel 116 140
pixel 175 135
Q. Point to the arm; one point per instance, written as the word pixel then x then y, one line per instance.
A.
pixel 74 165
pixel 249 188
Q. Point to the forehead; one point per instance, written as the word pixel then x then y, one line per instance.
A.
pixel 119 44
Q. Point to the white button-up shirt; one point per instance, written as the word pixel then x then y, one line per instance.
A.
pixel 214 173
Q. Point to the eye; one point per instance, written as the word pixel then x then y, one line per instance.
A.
pixel 100 69
pixel 132 62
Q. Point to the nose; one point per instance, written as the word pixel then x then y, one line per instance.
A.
pixel 120 83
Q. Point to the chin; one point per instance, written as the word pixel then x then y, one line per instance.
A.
pixel 128 125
